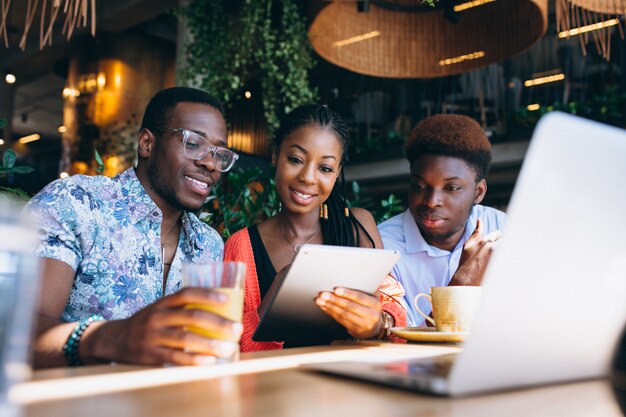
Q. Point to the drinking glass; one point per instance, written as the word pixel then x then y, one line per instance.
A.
pixel 19 276
pixel 224 277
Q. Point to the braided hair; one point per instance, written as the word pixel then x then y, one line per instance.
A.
pixel 338 229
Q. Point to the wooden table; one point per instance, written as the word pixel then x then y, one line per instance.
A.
pixel 271 384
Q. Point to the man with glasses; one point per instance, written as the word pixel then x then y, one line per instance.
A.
pixel 112 248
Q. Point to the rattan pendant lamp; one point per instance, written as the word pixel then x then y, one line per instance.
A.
pixel 595 17
pixel 403 39
pixel 76 14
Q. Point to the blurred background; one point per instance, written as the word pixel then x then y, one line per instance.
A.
pixel 77 75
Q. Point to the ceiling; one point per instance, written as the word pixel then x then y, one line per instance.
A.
pixel 37 103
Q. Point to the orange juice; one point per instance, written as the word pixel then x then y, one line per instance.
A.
pixel 232 310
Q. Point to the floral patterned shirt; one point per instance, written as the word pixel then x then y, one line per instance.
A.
pixel 109 231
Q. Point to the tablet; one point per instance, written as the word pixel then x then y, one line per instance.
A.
pixel 288 311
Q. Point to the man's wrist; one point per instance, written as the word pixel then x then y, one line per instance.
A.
pixel 461 277
pixel 457 281
pixel 72 347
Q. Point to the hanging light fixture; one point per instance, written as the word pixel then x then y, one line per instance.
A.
pixel 591 17
pixel 77 14
pixel 412 39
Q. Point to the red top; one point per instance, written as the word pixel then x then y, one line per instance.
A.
pixel 238 248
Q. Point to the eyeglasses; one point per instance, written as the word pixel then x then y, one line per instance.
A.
pixel 197 147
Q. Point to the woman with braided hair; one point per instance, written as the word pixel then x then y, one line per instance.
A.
pixel 309 154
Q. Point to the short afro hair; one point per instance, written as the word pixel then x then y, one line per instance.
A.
pixel 451 135
pixel 161 106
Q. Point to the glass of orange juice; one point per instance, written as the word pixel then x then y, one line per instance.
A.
pixel 225 277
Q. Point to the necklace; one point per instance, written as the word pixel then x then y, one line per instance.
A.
pixel 163 246
pixel 297 247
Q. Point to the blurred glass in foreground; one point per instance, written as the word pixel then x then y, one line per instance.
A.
pixel 19 274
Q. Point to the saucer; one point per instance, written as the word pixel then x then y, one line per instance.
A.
pixel 428 334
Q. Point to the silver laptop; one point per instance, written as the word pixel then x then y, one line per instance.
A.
pixel 554 294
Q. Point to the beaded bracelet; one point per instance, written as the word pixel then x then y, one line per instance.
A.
pixel 70 348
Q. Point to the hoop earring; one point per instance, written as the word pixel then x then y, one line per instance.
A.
pixel 346 211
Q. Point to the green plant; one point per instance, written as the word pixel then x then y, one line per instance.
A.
pixel 609 106
pixel 606 106
pixel 388 142
pixel 388 208
pixel 15 194
pixel 244 197
pixel 381 210
pixel 262 43
pixel 99 162
pixel 8 167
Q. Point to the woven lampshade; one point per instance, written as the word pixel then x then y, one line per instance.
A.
pixel 602 6
pixel 422 42
pixel 599 15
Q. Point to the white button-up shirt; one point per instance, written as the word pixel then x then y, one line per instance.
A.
pixel 422 266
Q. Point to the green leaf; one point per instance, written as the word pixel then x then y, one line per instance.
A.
pixel 22 169
pixel 9 158
pixel 16 194
pixel 98 157
pixel 99 162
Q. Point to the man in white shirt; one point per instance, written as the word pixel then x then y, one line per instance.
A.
pixel 445 237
